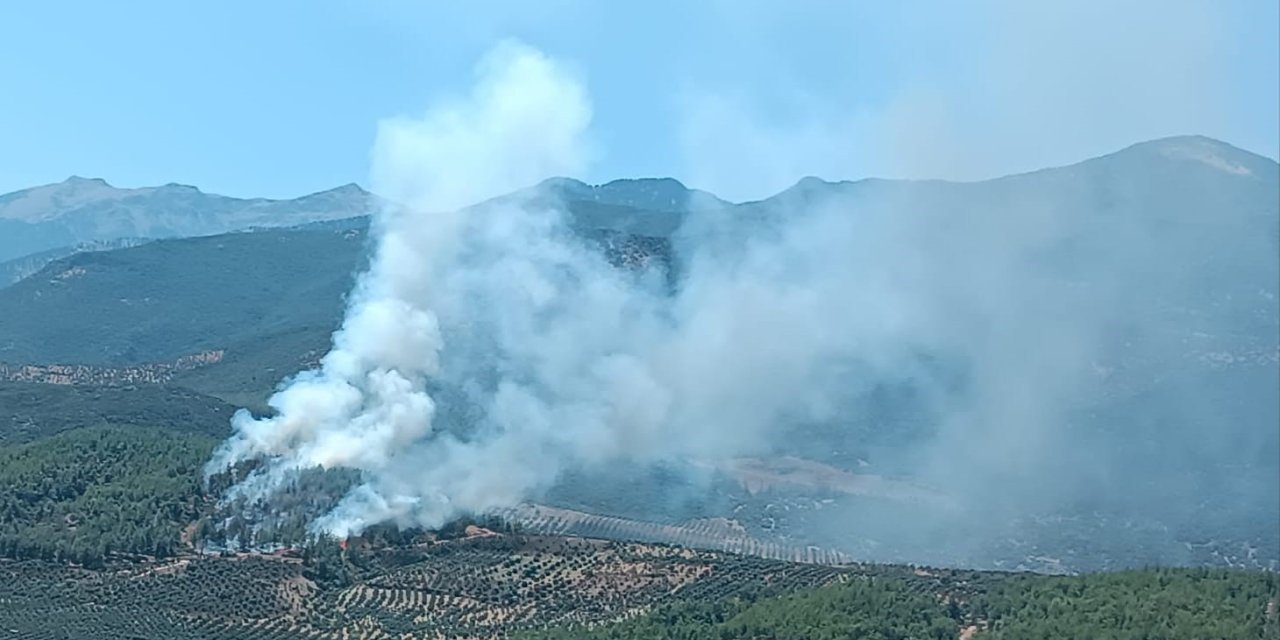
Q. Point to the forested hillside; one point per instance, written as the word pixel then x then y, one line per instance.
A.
pixel 87 495
pixel 30 411
pixel 167 299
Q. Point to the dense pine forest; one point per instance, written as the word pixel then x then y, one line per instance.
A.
pixel 86 495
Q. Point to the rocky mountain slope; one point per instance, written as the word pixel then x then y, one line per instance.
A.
pixel 80 210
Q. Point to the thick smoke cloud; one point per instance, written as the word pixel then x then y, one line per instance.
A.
pixel 488 349
pixel 367 406
pixel 560 359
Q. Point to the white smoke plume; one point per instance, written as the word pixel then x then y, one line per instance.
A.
pixel 487 349
pixel 367 406
pixel 562 359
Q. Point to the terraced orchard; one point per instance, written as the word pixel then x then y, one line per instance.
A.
pixel 712 534
pixel 480 587
pixel 556 588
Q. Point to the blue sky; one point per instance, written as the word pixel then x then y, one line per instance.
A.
pixel 741 97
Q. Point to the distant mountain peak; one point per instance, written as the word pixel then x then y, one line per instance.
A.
pixel 1196 139
pixel 561 182
pixel 47 202
pixel 81 209
pixel 670 183
pixel 1206 150
pixel 811 182
pixel 350 194
pixel 349 188
pixel 810 186
pixel 1209 151
pixel 656 194
pixel 80 180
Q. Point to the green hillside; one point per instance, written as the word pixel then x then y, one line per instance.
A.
pixel 88 494
pixel 166 299
pixel 30 411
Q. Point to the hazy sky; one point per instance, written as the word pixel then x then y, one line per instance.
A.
pixel 741 97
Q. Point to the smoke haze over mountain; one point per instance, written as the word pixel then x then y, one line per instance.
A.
pixel 487 350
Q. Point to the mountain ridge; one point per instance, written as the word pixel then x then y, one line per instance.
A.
pixel 1113 184
pixel 65 201
pixel 59 216
pixel 666 193
pixel 88 210
pixel 1178 146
